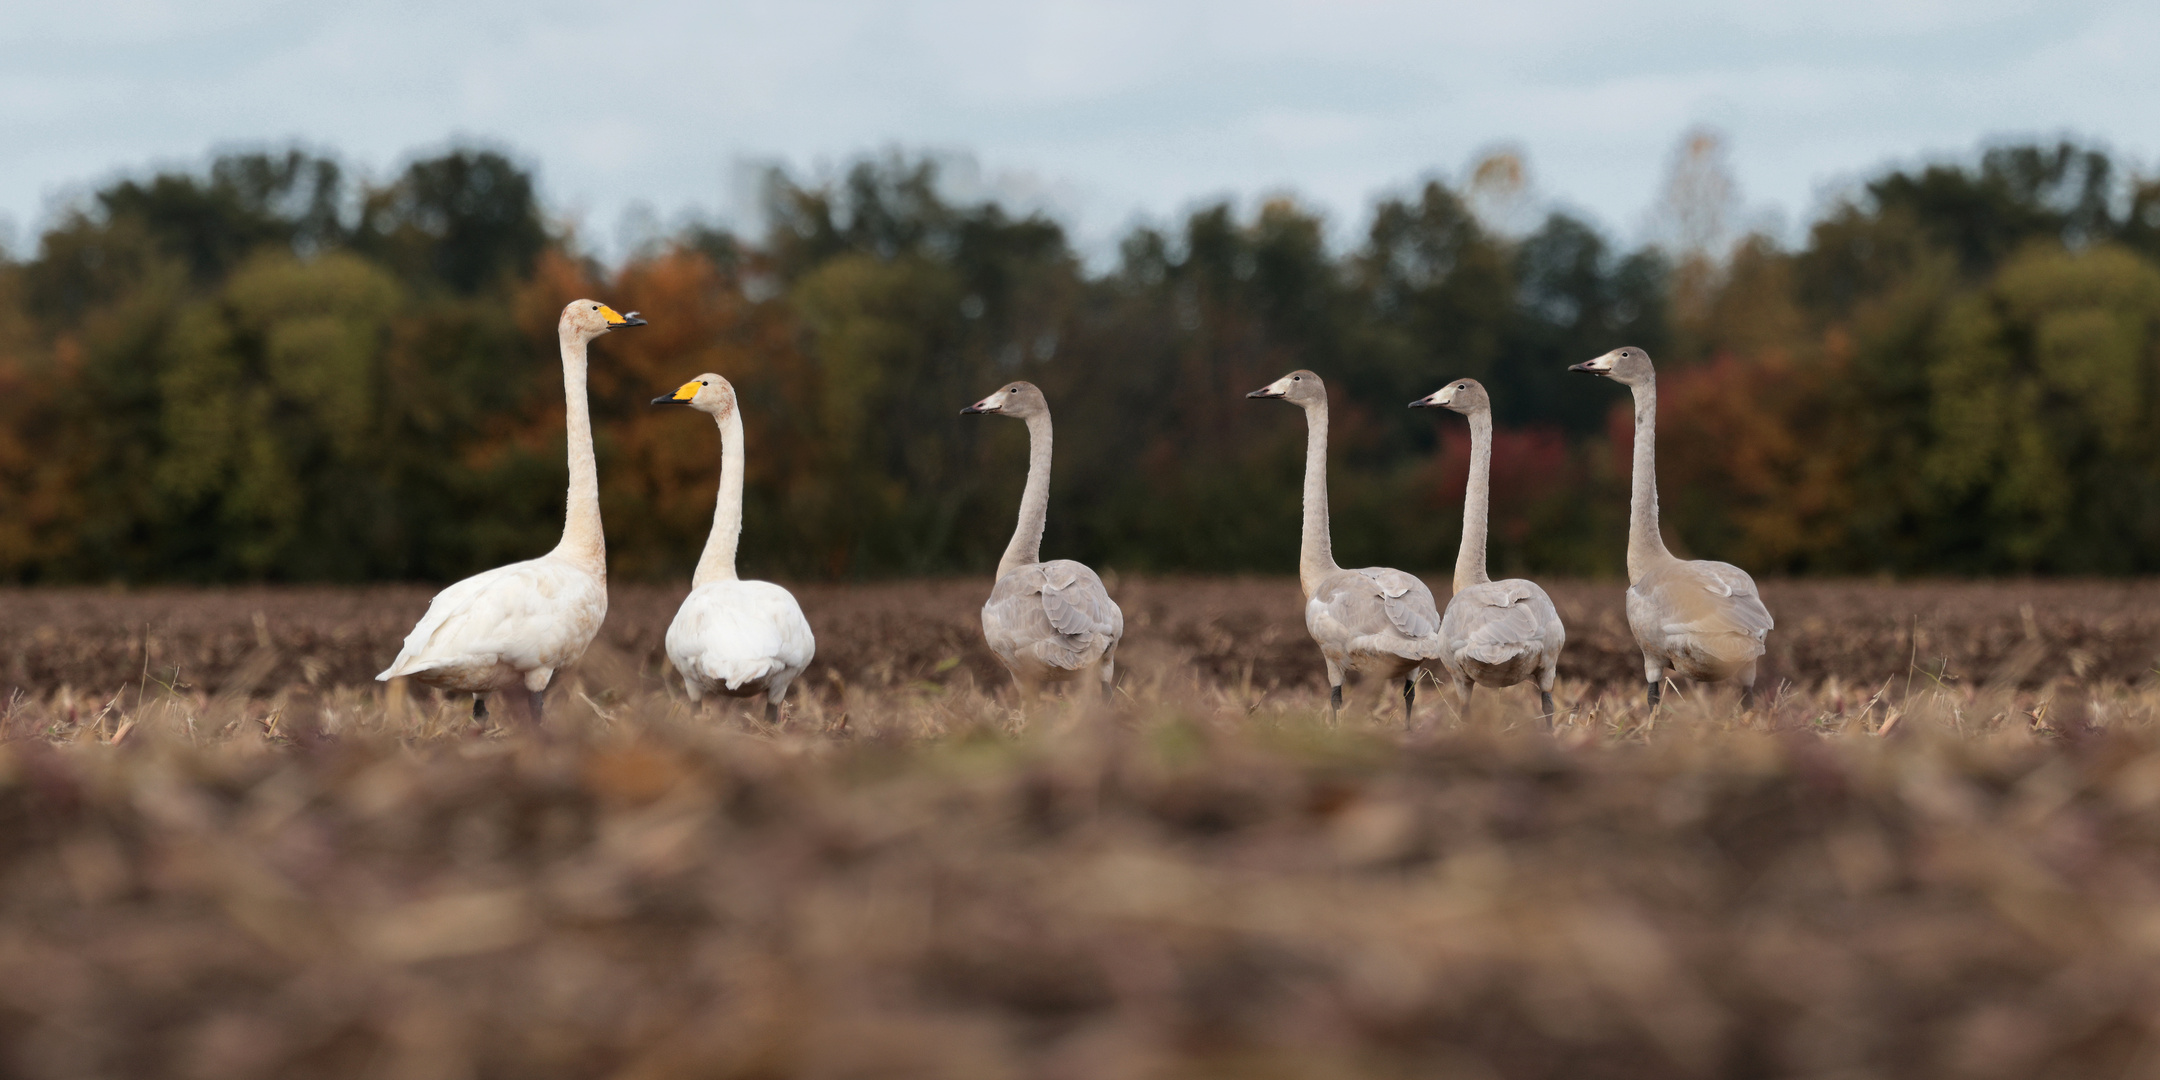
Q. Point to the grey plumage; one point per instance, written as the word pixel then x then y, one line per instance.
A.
pixel 1377 621
pixel 1050 622
pixel 1703 619
pixel 1497 633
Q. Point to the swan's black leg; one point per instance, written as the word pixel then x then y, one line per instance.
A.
pixel 1545 702
pixel 1654 684
pixel 1334 701
pixel 479 708
pixel 1409 698
pixel 539 698
pixel 772 713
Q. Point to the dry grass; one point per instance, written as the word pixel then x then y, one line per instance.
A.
pixel 252 870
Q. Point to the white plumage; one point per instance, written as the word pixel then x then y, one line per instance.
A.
pixel 732 637
pixel 511 626
pixel 741 639
pixel 514 627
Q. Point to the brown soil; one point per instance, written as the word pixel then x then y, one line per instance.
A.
pixel 1222 632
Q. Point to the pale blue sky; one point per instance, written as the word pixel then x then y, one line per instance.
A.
pixel 1105 112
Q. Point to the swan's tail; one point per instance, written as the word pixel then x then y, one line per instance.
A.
pixel 1430 647
pixel 1496 652
pixel 739 673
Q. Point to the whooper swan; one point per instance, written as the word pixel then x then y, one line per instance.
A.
pixel 513 627
pixel 1375 621
pixel 733 637
pixel 1498 633
pixel 1704 619
pixel 1050 622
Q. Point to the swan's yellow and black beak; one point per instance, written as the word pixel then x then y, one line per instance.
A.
pixel 683 394
pixel 617 321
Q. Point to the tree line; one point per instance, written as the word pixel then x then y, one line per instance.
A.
pixel 267 370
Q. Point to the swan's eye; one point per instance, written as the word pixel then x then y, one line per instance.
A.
pixel 703 383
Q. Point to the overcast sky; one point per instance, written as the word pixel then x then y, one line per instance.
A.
pixel 1107 112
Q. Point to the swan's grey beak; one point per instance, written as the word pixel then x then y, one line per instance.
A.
pixel 1423 403
pixel 1589 367
pixel 972 409
pixel 1265 392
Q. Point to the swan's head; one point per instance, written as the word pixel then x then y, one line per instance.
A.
pixel 1465 396
pixel 708 393
pixel 1300 387
pixel 588 319
pixel 1021 399
pixel 1628 366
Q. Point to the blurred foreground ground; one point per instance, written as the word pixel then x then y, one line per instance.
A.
pixel 1938 854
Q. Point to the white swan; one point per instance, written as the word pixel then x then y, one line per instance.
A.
pixel 1048 621
pixel 733 637
pixel 1702 618
pixel 513 627
pixel 1498 633
pixel 1376 621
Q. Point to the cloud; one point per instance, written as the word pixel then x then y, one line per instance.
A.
pixel 1113 107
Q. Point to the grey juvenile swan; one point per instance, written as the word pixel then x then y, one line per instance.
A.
pixel 513 627
pixel 1704 619
pixel 1375 621
pixel 1048 621
pixel 1497 633
pixel 733 637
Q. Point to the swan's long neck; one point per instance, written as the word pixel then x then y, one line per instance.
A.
pixel 1477 504
pixel 1645 546
pixel 718 562
pixel 1026 546
pixel 1316 553
pixel 582 541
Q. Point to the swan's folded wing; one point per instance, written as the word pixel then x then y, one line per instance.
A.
pixel 1058 612
pixel 1376 610
pixel 464 621
pixel 1703 598
pixel 1497 621
pixel 1406 600
pixel 1079 608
